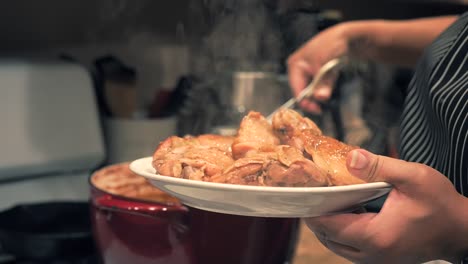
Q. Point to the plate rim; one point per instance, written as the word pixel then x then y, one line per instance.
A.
pixel 138 163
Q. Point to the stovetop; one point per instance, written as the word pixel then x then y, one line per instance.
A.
pixel 9 259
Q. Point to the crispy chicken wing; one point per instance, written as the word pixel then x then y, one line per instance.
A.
pixel 330 155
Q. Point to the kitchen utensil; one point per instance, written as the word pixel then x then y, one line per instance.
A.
pixel 48 231
pixel 250 91
pixel 117 86
pixel 258 91
pixel 334 64
pixel 131 226
pixel 262 201
pixel 52 138
pixel 49 119
pixel 217 104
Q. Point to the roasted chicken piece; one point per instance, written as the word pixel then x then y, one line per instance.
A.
pixel 195 158
pixel 262 161
pixel 290 152
pixel 328 153
pixel 254 134
pixel 282 166
pixel 288 125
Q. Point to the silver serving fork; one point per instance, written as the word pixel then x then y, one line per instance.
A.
pixel 327 67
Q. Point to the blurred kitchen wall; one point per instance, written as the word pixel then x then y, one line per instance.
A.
pixel 146 35
pixel 48 24
pixel 153 36
pixel 387 9
pixel 42 24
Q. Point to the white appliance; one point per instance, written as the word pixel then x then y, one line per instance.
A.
pixel 50 132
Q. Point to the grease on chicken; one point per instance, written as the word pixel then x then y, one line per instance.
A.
pixel 328 153
pixel 289 125
pixel 195 158
pixel 254 134
pixel 262 161
pixel 290 152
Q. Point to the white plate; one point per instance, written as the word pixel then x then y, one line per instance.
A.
pixel 259 200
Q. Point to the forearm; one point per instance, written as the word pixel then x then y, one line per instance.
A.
pixel 394 42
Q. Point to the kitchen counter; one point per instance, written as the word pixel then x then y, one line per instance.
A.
pixel 310 250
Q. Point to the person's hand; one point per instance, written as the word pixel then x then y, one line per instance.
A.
pixel 424 217
pixel 304 63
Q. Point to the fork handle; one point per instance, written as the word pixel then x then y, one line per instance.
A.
pixel 330 65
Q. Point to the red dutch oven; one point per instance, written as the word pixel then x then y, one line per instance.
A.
pixel 136 223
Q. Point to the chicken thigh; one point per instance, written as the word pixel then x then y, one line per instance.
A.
pixel 195 158
pixel 291 152
pixel 262 161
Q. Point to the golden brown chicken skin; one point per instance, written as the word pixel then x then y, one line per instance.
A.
pixel 195 158
pixel 262 161
pixel 326 152
pixel 292 152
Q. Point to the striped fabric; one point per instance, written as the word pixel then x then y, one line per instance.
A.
pixel 434 128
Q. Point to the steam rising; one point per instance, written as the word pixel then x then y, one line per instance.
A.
pixel 119 18
pixel 241 36
pixel 237 35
